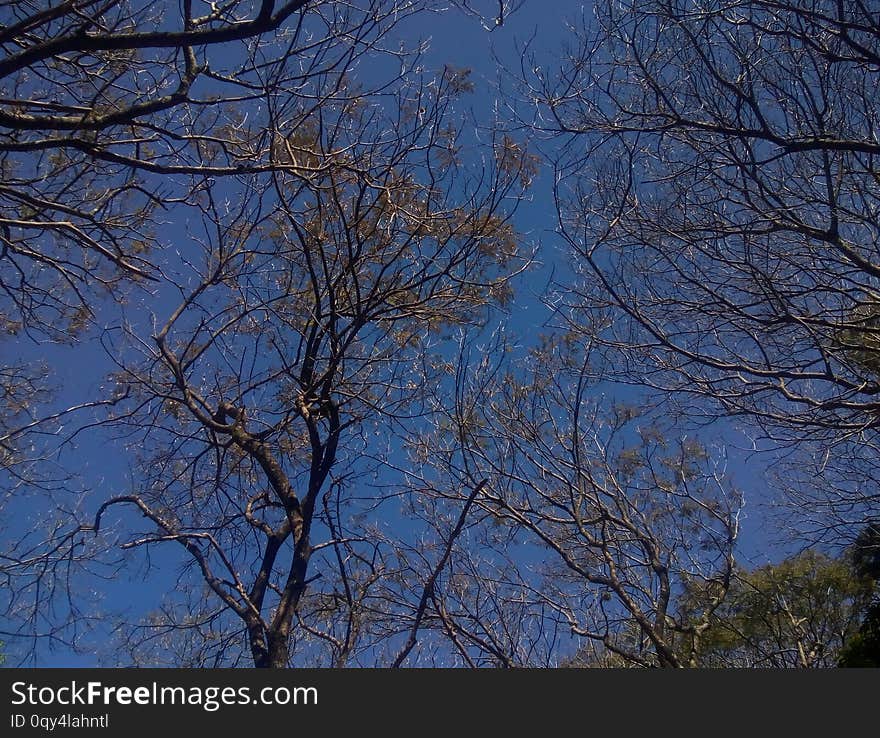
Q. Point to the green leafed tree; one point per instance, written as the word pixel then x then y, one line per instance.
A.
pixel 803 612
pixel 863 649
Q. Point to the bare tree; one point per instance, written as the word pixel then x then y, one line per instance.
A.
pixel 113 112
pixel 718 185
pixel 303 334
pixel 592 518
pixel 42 549
pixel 121 123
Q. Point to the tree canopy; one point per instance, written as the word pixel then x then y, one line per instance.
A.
pixel 348 353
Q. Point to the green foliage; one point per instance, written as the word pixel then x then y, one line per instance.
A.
pixel 863 649
pixel 801 612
